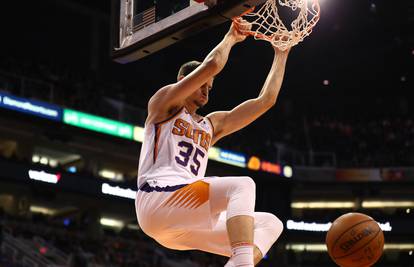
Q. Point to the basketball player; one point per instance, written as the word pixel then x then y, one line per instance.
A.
pixel 176 205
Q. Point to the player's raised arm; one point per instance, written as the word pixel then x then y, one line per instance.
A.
pixel 227 122
pixel 170 98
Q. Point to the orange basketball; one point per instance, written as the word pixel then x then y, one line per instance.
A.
pixel 355 240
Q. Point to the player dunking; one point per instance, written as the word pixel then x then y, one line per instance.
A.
pixel 176 205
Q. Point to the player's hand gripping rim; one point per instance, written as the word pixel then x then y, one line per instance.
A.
pixel 240 28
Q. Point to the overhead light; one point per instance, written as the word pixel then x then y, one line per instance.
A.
pixel 306 247
pixel 42 210
pixel 44 160
pixel 53 163
pixel 406 246
pixel 287 171
pixel 318 247
pixel 323 227
pixel 111 222
pixel 323 205
pixel 348 204
pixel 35 158
pixel 387 204
pixel 112 175
pixel 107 174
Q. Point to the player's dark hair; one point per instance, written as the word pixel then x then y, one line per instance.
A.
pixel 188 67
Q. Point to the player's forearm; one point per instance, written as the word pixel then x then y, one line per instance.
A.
pixel 220 54
pixel 270 91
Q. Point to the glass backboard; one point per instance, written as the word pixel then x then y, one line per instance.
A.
pixel 142 27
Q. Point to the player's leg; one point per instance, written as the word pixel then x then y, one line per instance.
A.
pixel 202 202
pixel 167 213
pixel 267 229
pixel 236 195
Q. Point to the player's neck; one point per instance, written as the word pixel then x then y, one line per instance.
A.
pixel 191 108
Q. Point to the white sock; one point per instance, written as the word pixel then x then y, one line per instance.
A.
pixel 242 256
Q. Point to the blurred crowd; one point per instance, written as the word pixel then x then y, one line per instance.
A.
pixel 312 141
pixel 59 243
pixel 71 245
pixel 53 83
pixel 379 142
pixel 70 87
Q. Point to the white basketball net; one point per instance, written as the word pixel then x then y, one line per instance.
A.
pixel 266 24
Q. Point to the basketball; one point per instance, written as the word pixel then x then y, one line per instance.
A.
pixel 355 240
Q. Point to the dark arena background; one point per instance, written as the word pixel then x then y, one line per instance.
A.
pixel 340 138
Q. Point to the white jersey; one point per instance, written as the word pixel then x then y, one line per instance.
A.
pixel 175 151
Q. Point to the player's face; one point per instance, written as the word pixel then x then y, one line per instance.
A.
pixel 200 97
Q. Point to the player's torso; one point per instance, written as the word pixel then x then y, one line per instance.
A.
pixel 175 151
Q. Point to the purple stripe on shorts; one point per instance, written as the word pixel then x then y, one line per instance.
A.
pixel 147 188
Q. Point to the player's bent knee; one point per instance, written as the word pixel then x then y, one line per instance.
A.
pixel 247 183
pixel 242 196
pixel 275 225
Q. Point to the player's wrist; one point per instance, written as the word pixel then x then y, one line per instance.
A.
pixel 281 56
pixel 230 38
pixel 281 52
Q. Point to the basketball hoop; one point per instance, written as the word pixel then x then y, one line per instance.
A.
pixel 267 25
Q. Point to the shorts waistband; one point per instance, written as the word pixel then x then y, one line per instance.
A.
pixel 147 188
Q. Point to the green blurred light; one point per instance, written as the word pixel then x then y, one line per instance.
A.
pixel 98 124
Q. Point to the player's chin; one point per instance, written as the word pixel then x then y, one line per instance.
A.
pixel 201 103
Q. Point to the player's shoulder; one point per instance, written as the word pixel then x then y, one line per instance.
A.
pixel 158 95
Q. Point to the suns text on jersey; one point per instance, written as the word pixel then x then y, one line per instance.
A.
pixel 184 128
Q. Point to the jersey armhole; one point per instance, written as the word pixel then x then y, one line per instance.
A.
pixel 212 126
pixel 169 118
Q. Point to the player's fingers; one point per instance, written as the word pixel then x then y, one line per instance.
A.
pixel 242 26
pixel 236 25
